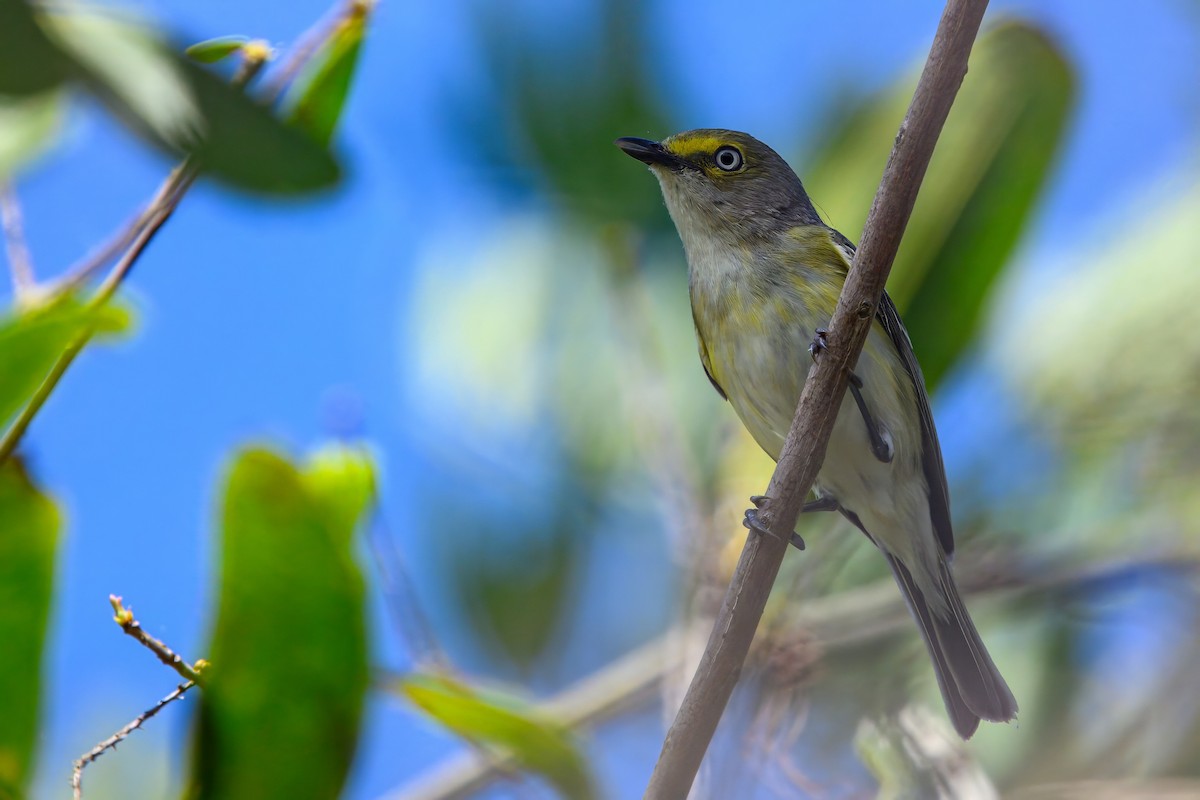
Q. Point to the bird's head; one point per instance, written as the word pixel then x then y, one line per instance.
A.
pixel 724 182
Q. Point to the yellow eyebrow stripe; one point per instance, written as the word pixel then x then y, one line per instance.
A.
pixel 690 146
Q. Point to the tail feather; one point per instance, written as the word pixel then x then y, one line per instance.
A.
pixel 972 688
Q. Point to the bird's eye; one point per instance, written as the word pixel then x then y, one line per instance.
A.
pixel 728 158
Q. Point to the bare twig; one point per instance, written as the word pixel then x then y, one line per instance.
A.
pixel 804 449
pixel 165 199
pixel 401 594
pixel 831 624
pixel 19 261
pixel 111 742
pixel 124 617
pixel 143 229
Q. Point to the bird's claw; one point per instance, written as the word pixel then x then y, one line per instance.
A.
pixel 819 344
pixel 753 523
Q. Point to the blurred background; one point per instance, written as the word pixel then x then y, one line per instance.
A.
pixel 494 300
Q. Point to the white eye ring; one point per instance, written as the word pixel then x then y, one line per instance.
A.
pixel 728 158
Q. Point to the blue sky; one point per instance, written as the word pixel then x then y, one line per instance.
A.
pixel 256 317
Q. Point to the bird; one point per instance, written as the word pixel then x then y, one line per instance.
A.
pixel 764 275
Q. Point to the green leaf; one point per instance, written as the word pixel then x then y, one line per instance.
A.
pixel 281 708
pixel 247 146
pixel 559 108
pixel 27 127
pixel 342 479
pixel 31 340
pixel 316 100
pixel 183 109
pixel 29 529
pixel 504 724
pixel 210 51
pixel 991 163
pixel 29 62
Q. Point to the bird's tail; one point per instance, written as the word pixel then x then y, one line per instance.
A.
pixel 972 687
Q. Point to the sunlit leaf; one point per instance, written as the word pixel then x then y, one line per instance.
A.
pixel 210 51
pixel 316 100
pixel 503 724
pixel 133 70
pixel 27 127
pixel 29 62
pixel 341 478
pixel 281 710
pixel 29 528
pixel 990 164
pixel 180 107
pixel 31 340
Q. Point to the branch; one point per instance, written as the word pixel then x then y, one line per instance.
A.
pixel 124 617
pixel 19 261
pixel 804 449
pixel 111 742
pixel 831 624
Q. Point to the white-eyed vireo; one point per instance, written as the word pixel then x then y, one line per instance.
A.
pixel 765 274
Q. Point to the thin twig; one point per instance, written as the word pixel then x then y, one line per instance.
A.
pixel 20 263
pixel 111 742
pixel 170 192
pixel 164 203
pixel 804 449
pixel 830 624
pixel 401 594
pixel 124 617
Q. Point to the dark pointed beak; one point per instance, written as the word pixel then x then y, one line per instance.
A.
pixel 648 152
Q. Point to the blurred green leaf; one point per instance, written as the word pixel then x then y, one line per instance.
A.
pixel 132 71
pixel 316 100
pixel 991 163
pixel 181 108
pixel 281 711
pixel 31 340
pixel 558 110
pixel 341 478
pixel 247 146
pixel 210 51
pixel 505 724
pixel 29 528
pixel 516 601
pixel 29 62
pixel 27 127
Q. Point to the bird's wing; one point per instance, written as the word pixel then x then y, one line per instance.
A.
pixel 931 450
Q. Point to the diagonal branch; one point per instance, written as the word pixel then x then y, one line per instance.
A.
pixel 804 449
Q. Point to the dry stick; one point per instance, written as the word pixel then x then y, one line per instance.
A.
pixel 831 624
pixel 111 742
pixel 19 260
pixel 804 449
pixel 124 617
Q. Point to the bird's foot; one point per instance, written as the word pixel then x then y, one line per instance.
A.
pixel 753 523
pixel 819 344
pixel 881 440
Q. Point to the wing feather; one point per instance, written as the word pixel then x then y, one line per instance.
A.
pixel 931 450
